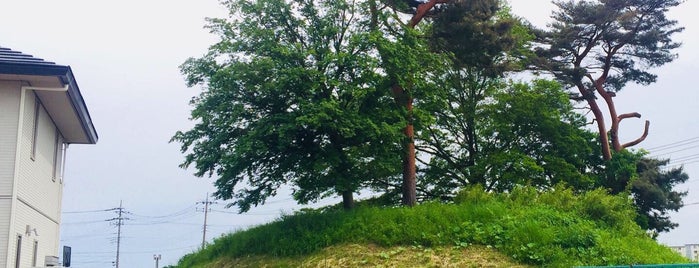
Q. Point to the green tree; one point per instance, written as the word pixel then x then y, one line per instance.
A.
pixel 654 195
pixel 291 96
pixel 471 140
pixel 650 184
pixel 533 136
pixel 598 46
pixel 526 134
pixel 405 59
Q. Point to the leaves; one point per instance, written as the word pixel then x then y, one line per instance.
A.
pixel 291 96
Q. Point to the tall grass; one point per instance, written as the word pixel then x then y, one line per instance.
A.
pixel 555 228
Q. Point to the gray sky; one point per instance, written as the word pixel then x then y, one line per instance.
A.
pixel 125 56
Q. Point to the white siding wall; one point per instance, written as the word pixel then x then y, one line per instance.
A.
pixel 37 184
pixel 9 116
pixel 47 237
pixel 5 208
pixel 38 191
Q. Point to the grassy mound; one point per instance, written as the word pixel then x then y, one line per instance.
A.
pixel 556 228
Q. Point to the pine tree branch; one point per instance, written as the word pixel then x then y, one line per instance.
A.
pixel 640 139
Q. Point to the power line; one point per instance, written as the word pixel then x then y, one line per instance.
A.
pixel 83 222
pixel 684 158
pixel 248 213
pixel 674 144
pixel 174 214
pixel 675 165
pixel 680 150
pixel 87 211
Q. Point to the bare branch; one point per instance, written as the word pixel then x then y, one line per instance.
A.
pixel 422 10
pixel 639 140
pixel 629 115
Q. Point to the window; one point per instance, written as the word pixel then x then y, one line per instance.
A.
pixel 18 253
pixel 37 106
pixel 34 253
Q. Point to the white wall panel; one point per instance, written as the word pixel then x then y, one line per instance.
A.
pixel 9 117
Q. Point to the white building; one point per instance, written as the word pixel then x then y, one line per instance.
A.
pixel 690 251
pixel 41 113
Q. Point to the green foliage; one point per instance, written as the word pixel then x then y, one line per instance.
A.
pixel 518 134
pixel 649 184
pixel 292 95
pixel 554 228
pixel 619 39
pixel 481 41
pixel 480 35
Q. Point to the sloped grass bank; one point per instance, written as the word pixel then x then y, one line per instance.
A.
pixel 556 228
pixel 355 255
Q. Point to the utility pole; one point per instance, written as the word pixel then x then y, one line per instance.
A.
pixel 156 257
pixel 206 215
pixel 119 222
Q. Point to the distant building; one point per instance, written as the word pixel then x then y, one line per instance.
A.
pixel 41 113
pixel 690 251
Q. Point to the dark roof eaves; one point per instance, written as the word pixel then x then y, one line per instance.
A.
pixel 80 107
pixel 41 69
pixel 66 75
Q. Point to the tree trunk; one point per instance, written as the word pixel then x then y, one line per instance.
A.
pixel 399 93
pixel 599 117
pixel 347 200
pixel 403 98
pixel 613 117
pixel 409 169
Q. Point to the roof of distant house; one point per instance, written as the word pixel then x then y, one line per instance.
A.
pixel 14 62
pixel 11 56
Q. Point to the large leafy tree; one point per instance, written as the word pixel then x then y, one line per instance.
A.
pixel 292 96
pixel 526 134
pixel 599 46
pixel 482 42
pixel 534 136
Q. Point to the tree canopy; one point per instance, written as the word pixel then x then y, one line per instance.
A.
pixel 333 97
pixel 599 46
pixel 291 96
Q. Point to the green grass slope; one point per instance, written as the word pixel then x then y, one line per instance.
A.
pixel 556 228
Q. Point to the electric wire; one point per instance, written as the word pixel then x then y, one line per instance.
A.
pixel 674 144
pixel 87 211
pixel 177 213
pixel 676 151
pixel 684 158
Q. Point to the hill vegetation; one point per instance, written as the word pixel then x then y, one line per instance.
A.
pixel 330 98
pixel 523 227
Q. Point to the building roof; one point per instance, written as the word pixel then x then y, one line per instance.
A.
pixel 68 106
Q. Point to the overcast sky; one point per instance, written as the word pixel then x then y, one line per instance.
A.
pixel 125 56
